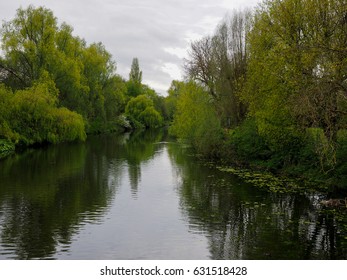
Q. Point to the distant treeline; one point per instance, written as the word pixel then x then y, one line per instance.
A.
pixel 54 87
pixel 269 89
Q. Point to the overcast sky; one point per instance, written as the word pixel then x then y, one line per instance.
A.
pixel 157 32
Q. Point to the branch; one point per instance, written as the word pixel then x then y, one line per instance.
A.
pixel 11 71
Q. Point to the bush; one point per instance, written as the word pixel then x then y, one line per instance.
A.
pixel 6 148
pixel 246 142
pixel 323 152
pixel 32 117
pixel 67 126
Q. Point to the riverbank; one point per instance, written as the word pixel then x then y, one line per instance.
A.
pixel 246 153
pixel 278 181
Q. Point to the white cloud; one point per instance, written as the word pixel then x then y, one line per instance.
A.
pixel 193 36
pixel 173 70
pixel 179 52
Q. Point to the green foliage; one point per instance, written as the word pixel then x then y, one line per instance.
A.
pixel 151 118
pixel 31 116
pixel 340 179
pixel 135 74
pixel 171 99
pixel 133 89
pixel 196 121
pixel 141 112
pixel 6 148
pixel 219 62
pixel 296 73
pixel 246 142
pixel 285 65
pixel 6 132
pixel 28 45
pixel 115 98
pixel 134 85
pixel 137 105
pixel 36 47
pixel 35 117
pixel 321 148
pixel 67 126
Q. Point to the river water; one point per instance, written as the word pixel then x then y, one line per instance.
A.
pixel 142 196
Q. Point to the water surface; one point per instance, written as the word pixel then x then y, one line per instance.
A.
pixel 142 196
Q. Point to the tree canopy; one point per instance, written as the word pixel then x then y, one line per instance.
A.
pixel 58 84
pixel 276 81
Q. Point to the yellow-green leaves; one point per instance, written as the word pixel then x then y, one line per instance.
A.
pixel 141 111
pixel 195 119
pixel 36 119
pixel 297 69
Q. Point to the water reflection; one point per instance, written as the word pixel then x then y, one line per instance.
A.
pixel 42 195
pixel 139 197
pixel 242 222
pixel 48 194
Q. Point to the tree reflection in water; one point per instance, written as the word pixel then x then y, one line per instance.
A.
pixel 242 222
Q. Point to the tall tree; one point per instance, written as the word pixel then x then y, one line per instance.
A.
pixel 219 63
pixel 135 79
pixel 28 43
pixel 135 74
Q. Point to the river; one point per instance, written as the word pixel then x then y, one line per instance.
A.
pixel 144 196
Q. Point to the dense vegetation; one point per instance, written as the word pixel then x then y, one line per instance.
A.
pixel 54 87
pixel 269 89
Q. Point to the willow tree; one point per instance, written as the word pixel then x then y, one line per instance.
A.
pixel 28 44
pixel 35 46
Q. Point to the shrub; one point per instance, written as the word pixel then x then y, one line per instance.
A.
pixel 6 148
pixel 33 117
pixel 246 142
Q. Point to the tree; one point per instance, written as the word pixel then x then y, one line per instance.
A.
pixel 34 45
pixel 28 45
pixel 35 118
pixel 38 51
pixel 141 111
pixel 297 70
pixel 231 56
pixel 135 79
pixel 196 121
pixel 98 69
pixel 151 118
pixel 171 100
pixel 135 74
pixel 6 132
pixel 67 71
pixel 219 63
pixel 201 66
pixel 115 97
